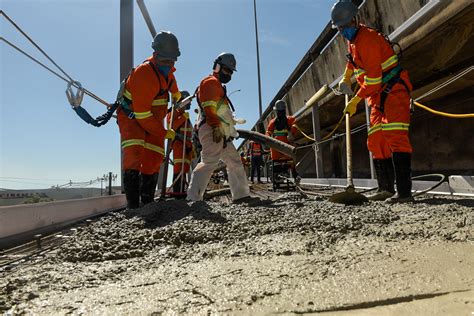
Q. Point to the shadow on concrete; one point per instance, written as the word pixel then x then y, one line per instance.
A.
pixel 163 213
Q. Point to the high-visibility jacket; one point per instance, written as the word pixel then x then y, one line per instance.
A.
pixel 372 56
pixel 255 149
pixel 373 62
pixel 217 109
pixel 148 92
pixel 281 134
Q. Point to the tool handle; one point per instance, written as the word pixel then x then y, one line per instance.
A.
pixel 350 182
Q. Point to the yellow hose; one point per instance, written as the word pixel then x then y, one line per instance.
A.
pixel 303 133
pixel 424 107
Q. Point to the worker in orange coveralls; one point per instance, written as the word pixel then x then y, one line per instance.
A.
pixel 280 128
pixel 144 99
pixel 386 86
pixel 182 146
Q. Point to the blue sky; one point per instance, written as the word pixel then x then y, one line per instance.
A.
pixel 44 143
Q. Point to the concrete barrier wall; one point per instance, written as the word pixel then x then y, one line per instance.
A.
pixel 21 219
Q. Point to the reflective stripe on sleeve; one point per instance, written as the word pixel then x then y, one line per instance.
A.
pixel 158 102
pixel 143 115
pixel 389 62
pixel 209 103
pixel 372 81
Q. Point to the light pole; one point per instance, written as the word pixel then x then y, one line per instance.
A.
pixel 238 90
pixel 258 62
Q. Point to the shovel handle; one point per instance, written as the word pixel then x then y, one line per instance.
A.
pixel 350 182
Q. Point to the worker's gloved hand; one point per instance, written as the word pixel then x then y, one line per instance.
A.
pixel 345 84
pixel 170 134
pixel 217 134
pixel 186 115
pixel 291 138
pixel 345 87
pixel 351 106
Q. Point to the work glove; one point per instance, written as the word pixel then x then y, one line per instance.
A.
pixel 186 115
pixel 217 135
pixel 345 84
pixel 351 106
pixel 170 134
pixel 291 138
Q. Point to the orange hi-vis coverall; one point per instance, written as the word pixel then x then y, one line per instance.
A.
pixel 213 100
pixel 372 60
pixel 281 135
pixel 142 138
pixel 182 126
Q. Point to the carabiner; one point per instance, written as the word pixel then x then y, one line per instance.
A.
pixel 75 99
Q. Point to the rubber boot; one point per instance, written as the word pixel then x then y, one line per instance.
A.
pixel 131 185
pixel 148 187
pixel 385 178
pixel 402 163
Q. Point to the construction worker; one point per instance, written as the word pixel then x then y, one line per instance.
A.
pixel 255 152
pixel 182 146
pixel 143 107
pixel 386 86
pixel 216 131
pixel 281 128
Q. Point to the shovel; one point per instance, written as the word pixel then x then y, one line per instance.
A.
pixel 349 196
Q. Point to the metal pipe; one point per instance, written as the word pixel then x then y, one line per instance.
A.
pixel 317 136
pixel 146 16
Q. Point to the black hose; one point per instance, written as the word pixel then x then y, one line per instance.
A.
pixel 437 184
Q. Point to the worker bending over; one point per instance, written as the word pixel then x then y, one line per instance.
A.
pixel 182 146
pixel 144 98
pixel 386 86
pixel 216 131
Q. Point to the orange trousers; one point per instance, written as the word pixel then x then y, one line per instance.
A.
pixel 140 150
pixel 178 150
pixel 388 131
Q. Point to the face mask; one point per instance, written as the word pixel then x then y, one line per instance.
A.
pixel 164 70
pixel 224 78
pixel 349 33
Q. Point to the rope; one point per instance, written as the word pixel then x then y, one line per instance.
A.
pixel 32 42
pixel 424 107
pixel 444 84
pixel 69 80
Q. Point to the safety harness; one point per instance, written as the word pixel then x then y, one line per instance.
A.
pixel 124 97
pixel 281 127
pixel 390 77
pixel 219 104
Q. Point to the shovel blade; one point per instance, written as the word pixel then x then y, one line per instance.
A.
pixel 348 197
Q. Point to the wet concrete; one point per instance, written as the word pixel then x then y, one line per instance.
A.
pixel 288 255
